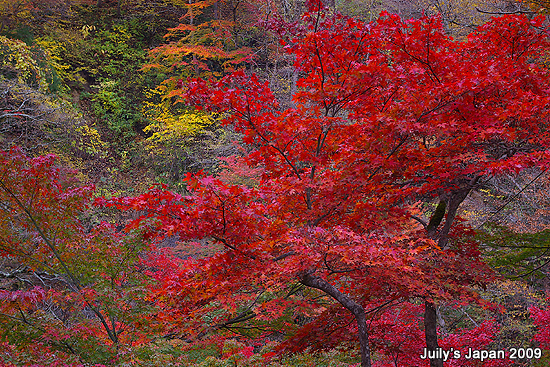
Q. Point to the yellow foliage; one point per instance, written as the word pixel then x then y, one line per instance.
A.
pixel 170 127
pixel 13 12
pixel 541 6
pixel 55 51
pixel 16 56
pixel 87 30
pixel 89 140
pixel 516 297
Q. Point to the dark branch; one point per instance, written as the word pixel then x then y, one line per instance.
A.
pixel 506 13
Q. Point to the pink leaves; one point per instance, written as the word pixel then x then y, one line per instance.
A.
pixel 34 296
pixel 541 318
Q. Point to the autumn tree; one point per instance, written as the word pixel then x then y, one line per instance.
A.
pixel 212 40
pixel 390 116
pixel 208 39
pixel 71 291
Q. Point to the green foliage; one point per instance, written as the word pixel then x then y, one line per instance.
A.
pixel 117 54
pixel 109 103
pixel 105 63
pixel 516 254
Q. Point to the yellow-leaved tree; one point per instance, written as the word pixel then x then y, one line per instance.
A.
pixel 211 41
pixel 171 127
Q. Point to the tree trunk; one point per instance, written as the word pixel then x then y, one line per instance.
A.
pixel 430 330
pixel 293 85
pixel 356 309
pixel 430 309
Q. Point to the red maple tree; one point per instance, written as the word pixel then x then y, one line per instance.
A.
pixel 390 115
